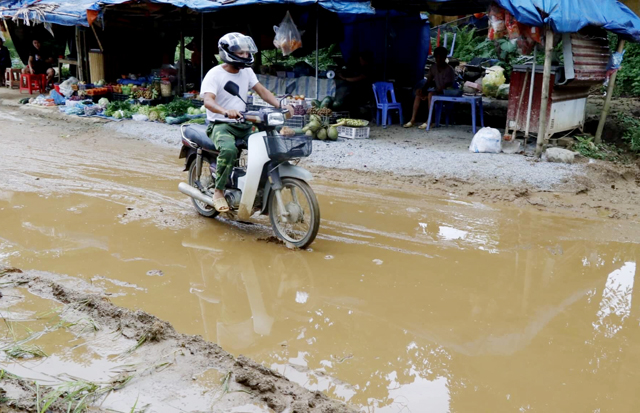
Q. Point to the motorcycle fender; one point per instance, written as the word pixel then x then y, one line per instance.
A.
pixel 286 170
pixel 189 155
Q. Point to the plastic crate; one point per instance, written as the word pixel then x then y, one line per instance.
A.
pixel 149 102
pixel 338 115
pixel 353 133
pixel 119 97
pixel 258 101
pixel 85 87
pixel 296 122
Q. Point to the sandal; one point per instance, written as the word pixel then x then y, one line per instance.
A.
pixel 220 204
pixel 423 126
pixel 408 125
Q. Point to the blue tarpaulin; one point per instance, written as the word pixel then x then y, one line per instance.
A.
pixel 74 12
pixel 569 16
pixel 399 43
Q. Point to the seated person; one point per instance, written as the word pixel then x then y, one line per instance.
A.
pixel 360 77
pixel 5 60
pixel 40 62
pixel 440 77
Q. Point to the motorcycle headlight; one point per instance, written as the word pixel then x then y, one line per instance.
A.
pixel 275 119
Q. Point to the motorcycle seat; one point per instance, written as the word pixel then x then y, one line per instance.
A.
pixel 198 135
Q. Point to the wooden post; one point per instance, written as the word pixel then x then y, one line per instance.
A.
pixel 546 79
pixel 201 47
pixel 79 55
pixel 183 78
pixel 317 51
pixel 607 101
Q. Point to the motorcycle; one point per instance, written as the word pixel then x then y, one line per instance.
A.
pixel 268 183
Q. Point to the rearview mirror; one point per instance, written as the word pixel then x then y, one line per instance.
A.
pixel 232 88
pixel 291 87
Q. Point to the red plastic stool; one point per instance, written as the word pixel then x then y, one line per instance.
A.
pixel 30 83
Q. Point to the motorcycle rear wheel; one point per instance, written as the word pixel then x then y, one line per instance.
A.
pixel 207 180
pixel 306 214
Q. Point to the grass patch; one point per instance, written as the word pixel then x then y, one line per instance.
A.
pixel 24 351
pixel 632 131
pixel 586 147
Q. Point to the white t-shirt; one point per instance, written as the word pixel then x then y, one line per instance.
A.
pixel 214 83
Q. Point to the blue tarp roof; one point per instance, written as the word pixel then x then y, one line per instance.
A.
pixel 569 16
pixel 565 16
pixel 74 12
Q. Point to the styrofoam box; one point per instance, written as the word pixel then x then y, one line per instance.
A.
pixel 353 133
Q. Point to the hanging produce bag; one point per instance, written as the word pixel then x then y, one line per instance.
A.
pixel 288 38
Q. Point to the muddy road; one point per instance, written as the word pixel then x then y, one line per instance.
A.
pixel 405 302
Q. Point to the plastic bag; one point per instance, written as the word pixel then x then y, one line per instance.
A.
pixel 65 87
pixel 92 110
pixel 615 61
pixel 503 91
pixel 57 97
pixel 512 25
pixel 497 27
pixel 492 81
pixel 487 140
pixel 288 38
pixel 140 118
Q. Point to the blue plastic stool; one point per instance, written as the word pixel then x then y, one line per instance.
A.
pixel 439 101
pixel 382 91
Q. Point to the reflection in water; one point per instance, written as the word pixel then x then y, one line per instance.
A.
pixel 451 234
pixel 616 299
pixel 472 309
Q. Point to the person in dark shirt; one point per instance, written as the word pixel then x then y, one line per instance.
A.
pixel 360 77
pixel 40 62
pixel 5 61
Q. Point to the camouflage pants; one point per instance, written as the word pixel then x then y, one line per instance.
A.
pixel 224 137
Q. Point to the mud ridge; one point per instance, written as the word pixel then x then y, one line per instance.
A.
pixel 261 383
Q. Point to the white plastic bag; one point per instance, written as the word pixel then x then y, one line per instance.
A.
pixel 487 140
pixel 65 87
pixel 288 38
pixel 140 118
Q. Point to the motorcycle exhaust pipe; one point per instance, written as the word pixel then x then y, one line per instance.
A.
pixel 194 193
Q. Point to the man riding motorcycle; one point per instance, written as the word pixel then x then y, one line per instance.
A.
pixel 236 51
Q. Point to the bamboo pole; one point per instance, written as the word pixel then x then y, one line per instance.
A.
pixel 607 101
pixel 97 38
pixel 546 79
pixel 183 79
pixel 201 47
pixel 79 55
pixel 317 53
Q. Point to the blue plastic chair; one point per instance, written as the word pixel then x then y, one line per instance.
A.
pixel 382 91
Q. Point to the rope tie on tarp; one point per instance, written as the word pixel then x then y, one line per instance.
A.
pixel 34 13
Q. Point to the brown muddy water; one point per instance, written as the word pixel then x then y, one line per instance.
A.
pixel 403 304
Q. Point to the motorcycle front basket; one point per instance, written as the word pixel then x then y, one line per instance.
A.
pixel 283 148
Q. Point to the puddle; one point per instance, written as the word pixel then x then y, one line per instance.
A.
pixel 402 302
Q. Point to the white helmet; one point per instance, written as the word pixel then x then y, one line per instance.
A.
pixel 231 44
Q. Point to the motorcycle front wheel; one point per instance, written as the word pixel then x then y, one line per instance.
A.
pixel 207 180
pixel 302 224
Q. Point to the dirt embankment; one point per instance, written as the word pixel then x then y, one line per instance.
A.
pixel 606 190
pixel 245 382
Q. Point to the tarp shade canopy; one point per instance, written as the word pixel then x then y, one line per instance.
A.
pixel 570 16
pixel 405 35
pixel 74 12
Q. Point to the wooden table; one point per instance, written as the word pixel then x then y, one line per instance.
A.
pixel 64 62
